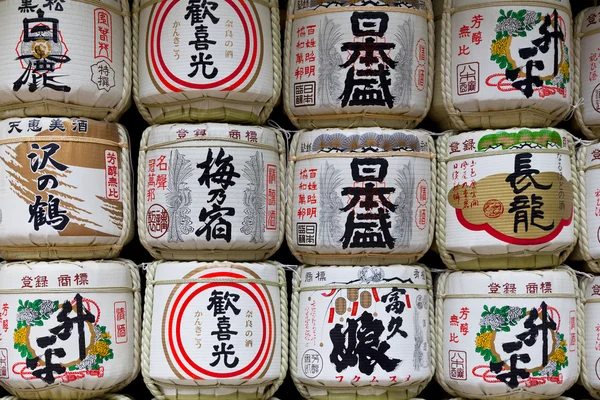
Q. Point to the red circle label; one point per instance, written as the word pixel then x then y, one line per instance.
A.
pixel 157 221
pixel 493 209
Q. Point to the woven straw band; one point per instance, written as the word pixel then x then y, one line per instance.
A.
pixel 205 98
pixel 355 115
pixel 217 385
pixel 397 387
pixel 136 10
pixel 200 139
pixel 521 253
pixel 399 285
pixel 594 300
pixel 34 249
pixel 503 152
pixel 213 280
pixel 512 296
pixel 472 114
pixel 360 8
pixel 588 33
pixel 364 155
pixel 38 103
pixel 63 139
pixel 102 289
pixel 591 167
pixel 96 3
pixel 361 255
pixel 546 4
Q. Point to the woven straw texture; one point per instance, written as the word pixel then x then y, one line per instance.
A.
pixel 156 388
pixel 58 391
pixel 524 259
pixel 209 255
pixel 226 110
pixel 91 252
pixel 363 258
pixel 397 121
pixel 520 393
pixel 590 131
pixel 105 397
pixel 443 110
pixel 394 392
pixel 46 107
pixel 584 374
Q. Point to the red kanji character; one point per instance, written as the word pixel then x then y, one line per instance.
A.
pixel 26 280
pixel 161 164
pixel 464 329
pixel 476 39
pixel 464 32
pixel 454 320
pixel 494 287
pixel 311 29
pixel 453 338
pixel 596 290
pixel 464 50
pixel 476 21
pixel 81 279
pixel 468 145
pixel 510 288
pixel 64 280
pixel 595 154
pixel 340 377
pixel 546 287
pixel 531 288
pixel 161 181
pixel 464 313
pixel 454 147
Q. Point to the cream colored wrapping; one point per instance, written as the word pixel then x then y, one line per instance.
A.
pixel 230 73
pixel 334 309
pixel 477 46
pixel 326 85
pixel 70 58
pixel 588 245
pixel 590 355
pixel 587 79
pixel 105 397
pixel 104 295
pixel 362 196
pixel 507 199
pixel 211 192
pixel 230 340
pixel 484 323
pixel 65 189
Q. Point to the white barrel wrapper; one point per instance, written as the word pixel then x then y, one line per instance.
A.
pixel 587 51
pixel 511 335
pixel 590 355
pixel 508 198
pixel 361 196
pixel 358 63
pixel 65 188
pixel 207 61
pixel 92 347
pixel 215 330
pixel 363 331
pixel 70 58
pixel 211 191
pixel 487 49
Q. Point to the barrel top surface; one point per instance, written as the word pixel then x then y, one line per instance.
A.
pixel 481 284
pixel 105 274
pixel 193 133
pixel 591 20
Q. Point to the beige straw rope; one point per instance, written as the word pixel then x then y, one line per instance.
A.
pixel 360 255
pixel 214 280
pixel 547 4
pixel 364 155
pixel 589 33
pixel 511 151
pixel 584 245
pixel 360 8
pixel 79 289
pixel 206 98
pixel 77 139
pixel 520 253
pixel 354 115
pixel 152 2
pixel 376 285
pixel 34 249
pixel 211 139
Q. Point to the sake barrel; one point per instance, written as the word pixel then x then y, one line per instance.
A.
pixel 65 58
pixel 105 397
pixel 588 243
pixel 215 330
pixel 508 334
pixel 197 61
pixel 363 332
pixel 70 329
pixel 361 196
pixel 587 79
pixel 358 63
pixel 507 199
pixel 502 64
pixel 590 354
pixel 65 188
pixel 211 192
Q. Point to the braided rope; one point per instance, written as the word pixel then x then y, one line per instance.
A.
pixel 125 101
pixel 141 197
pixel 584 377
pixel 584 244
pixel 104 397
pixel 577 204
pixel 433 189
pixel 277 73
pixel 289 223
pixel 442 192
pixel 156 387
pixel 295 313
pixel 287 45
pixel 128 231
pixel 144 111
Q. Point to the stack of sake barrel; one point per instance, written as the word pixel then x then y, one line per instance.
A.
pixel 360 197
pixel 211 198
pixel 70 329
pixel 514 199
